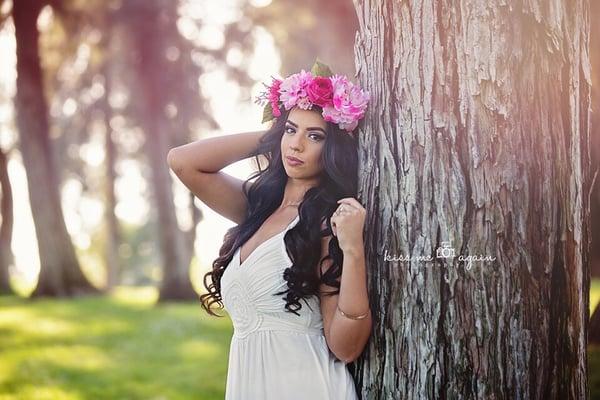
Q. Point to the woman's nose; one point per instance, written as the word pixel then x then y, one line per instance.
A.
pixel 296 142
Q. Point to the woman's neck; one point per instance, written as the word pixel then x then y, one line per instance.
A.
pixel 294 192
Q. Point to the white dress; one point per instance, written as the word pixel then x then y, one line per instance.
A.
pixel 275 354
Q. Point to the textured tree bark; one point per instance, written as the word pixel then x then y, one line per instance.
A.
pixel 477 134
pixel 60 274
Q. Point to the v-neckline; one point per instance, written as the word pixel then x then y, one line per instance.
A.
pixel 239 249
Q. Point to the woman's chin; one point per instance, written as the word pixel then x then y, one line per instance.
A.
pixel 294 174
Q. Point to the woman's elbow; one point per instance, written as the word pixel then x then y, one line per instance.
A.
pixel 173 160
pixel 350 355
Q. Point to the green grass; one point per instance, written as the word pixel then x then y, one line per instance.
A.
pixel 594 350
pixel 594 293
pixel 116 347
pixel 125 347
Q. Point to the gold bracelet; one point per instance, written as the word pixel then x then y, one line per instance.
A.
pixel 351 316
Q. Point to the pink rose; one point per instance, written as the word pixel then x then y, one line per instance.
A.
pixel 320 91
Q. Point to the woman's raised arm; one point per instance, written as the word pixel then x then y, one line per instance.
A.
pixel 198 165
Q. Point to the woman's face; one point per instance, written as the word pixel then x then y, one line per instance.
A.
pixel 303 138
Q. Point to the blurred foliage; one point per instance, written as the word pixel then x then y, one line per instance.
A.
pixel 305 30
pixel 97 74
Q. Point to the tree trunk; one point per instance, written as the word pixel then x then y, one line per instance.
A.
pixel 60 274
pixel 112 232
pixel 153 25
pixel 477 134
pixel 6 225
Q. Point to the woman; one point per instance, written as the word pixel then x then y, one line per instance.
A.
pixel 292 273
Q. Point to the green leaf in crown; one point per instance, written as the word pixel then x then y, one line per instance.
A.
pixel 320 69
pixel 267 113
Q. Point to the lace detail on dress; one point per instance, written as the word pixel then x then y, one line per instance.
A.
pixel 241 309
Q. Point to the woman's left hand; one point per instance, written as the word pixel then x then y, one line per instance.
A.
pixel 347 223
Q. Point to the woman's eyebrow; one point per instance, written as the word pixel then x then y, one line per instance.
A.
pixel 312 128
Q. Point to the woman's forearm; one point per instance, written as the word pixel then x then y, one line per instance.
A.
pixel 352 335
pixel 214 153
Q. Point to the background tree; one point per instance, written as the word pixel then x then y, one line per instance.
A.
pixel 6 225
pixel 152 28
pixel 477 134
pixel 60 273
pixel 97 33
pixel 6 199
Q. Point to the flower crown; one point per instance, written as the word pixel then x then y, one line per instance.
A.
pixel 342 102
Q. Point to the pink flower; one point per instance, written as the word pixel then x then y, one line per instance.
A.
pixel 343 103
pixel 320 91
pixel 274 96
pixel 304 103
pixel 293 88
pixel 349 103
pixel 270 95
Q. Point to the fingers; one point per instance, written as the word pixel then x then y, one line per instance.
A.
pixel 349 205
pixel 351 202
pixel 344 210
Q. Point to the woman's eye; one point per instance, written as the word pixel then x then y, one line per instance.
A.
pixel 314 136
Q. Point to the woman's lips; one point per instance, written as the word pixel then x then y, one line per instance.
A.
pixel 293 161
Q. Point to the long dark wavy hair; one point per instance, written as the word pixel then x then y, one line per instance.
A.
pixel 303 241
